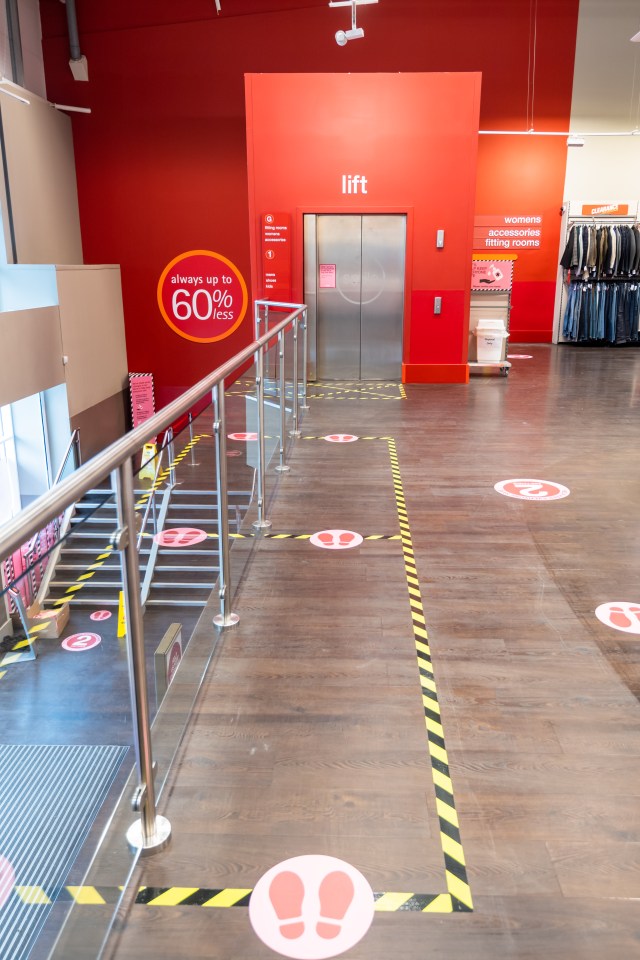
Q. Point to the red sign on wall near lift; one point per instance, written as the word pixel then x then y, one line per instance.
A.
pixel 276 256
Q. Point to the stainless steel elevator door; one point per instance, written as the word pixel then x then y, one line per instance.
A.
pixel 360 296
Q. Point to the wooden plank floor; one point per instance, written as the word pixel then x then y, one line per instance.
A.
pixel 309 734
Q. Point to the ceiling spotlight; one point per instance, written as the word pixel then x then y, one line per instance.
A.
pixel 343 36
pixel 636 37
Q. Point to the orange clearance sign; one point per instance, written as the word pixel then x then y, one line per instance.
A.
pixel 605 210
pixel 202 296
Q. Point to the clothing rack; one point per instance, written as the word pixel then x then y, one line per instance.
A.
pixel 600 293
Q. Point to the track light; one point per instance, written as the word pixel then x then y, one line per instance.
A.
pixel 356 32
pixel 343 36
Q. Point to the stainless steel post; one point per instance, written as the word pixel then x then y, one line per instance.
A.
pixel 172 466
pixel 225 618
pixel 305 351
pixel 261 523
pixel 151 833
pixel 193 459
pixel 282 390
pixel 296 430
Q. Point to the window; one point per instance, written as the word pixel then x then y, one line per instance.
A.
pixel 9 491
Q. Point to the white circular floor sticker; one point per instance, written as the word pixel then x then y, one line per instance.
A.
pixel 79 642
pixel 311 907
pixel 180 537
pixel 621 615
pixel 336 539
pixel 519 356
pixel 242 436
pixel 340 438
pixel 532 489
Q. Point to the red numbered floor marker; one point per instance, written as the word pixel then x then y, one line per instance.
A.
pixel 532 489
pixel 180 537
pixel 336 539
pixel 311 907
pixel 242 436
pixel 79 642
pixel 100 615
pixel 7 880
pixel 340 438
pixel 621 615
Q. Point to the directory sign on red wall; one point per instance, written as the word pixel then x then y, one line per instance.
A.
pixel 276 256
pixel 513 232
pixel 202 296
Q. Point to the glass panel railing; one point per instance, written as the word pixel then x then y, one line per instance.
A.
pixel 130 581
pixel 67 743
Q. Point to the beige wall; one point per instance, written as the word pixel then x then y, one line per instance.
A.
pixel 31 354
pixel 606 99
pixel 92 334
pixel 87 328
pixel 42 181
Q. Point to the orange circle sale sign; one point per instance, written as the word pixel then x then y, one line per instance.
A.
pixel 202 296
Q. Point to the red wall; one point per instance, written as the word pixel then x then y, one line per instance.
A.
pixel 414 138
pixel 162 159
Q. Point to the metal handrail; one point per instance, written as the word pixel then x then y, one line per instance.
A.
pixel 153 489
pixel 74 441
pixel 52 503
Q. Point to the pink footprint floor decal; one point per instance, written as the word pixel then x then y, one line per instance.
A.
pixel 619 618
pixel 336 894
pixel 346 538
pixel 327 538
pixel 286 893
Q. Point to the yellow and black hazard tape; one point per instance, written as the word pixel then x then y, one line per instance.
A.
pixel 165 473
pixel 212 897
pixel 357 384
pixel 259 535
pixel 455 865
pixel 333 396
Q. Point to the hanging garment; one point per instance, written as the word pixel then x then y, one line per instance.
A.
pixel 607 311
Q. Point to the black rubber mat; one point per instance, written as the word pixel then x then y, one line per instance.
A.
pixel 49 797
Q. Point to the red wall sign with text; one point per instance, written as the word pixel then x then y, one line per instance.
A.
pixel 276 256
pixel 202 296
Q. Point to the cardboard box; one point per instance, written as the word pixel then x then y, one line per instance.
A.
pixel 56 621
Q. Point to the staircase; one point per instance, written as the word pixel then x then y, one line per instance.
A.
pixel 179 576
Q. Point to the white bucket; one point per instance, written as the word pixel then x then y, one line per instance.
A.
pixel 489 336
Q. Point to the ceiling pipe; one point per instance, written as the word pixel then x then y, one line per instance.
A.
pixel 78 62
